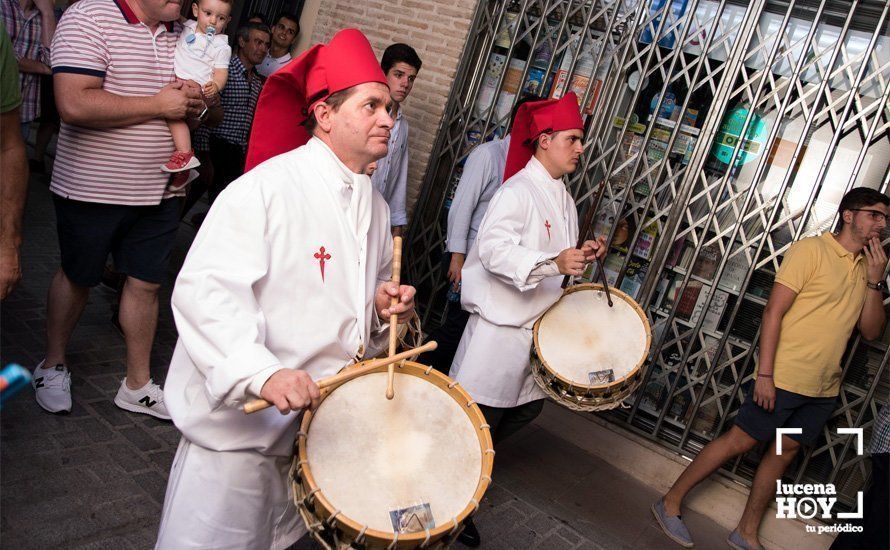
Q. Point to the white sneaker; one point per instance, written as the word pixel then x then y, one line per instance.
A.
pixel 149 399
pixel 52 388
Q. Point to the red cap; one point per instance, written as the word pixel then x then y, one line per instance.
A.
pixel 290 93
pixel 535 118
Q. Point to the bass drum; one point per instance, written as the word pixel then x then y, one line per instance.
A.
pixel 587 355
pixel 403 473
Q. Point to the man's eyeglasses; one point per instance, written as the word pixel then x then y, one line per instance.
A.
pixel 876 215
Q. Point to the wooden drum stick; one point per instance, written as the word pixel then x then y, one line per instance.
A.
pixel 394 319
pixel 349 374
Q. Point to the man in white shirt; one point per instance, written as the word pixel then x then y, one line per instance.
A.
pixel 401 64
pixel 284 32
pixel 482 175
pixel 286 282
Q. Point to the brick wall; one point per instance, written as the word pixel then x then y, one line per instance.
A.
pixel 437 30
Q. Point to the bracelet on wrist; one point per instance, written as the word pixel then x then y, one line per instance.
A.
pixel 764 376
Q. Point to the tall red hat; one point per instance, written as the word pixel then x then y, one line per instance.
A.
pixel 290 93
pixel 535 118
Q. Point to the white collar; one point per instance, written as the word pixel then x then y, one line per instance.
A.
pixel 345 175
pixel 537 169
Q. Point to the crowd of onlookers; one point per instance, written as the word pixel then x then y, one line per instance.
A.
pixel 105 76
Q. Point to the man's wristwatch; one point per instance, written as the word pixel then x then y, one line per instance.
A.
pixel 880 285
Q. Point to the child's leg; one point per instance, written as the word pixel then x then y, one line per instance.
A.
pixel 182 138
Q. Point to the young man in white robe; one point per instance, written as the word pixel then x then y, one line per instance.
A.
pixel 284 285
pixel 513 274
pixel 482 176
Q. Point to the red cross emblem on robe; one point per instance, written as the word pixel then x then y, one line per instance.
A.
pixel 321 256
pixel 548 226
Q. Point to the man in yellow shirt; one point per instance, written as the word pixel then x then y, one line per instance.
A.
pixel 826 286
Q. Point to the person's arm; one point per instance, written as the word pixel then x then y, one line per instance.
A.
pixel 780 300
pixel 28 65
pixel 82 101
pixel 47 22
pixel 399 214
pixel 498 241
pixel 476 175
pixel 220 73
pixel 872 318
pixel 220 77
pixel 217 314
pixel 214 116
pixel 13 191
pixel 80 59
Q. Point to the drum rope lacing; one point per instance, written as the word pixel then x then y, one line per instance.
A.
pixel 332 521
pixel 394 542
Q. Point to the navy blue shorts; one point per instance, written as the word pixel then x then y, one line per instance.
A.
pixel 139 238
pixel 792 410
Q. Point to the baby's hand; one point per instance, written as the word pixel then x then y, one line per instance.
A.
pixel 211 89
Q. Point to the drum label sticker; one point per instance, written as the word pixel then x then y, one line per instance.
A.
pixel 322 256
pixel 548 226
pixel 600 377
pixel 413 519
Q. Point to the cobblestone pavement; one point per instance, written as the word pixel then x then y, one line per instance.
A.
pixel 96 478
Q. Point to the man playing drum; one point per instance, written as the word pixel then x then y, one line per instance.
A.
pixel 482 176
pixel 526 241
pixel 285 284
pixel 825 287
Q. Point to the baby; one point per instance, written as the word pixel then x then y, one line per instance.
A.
pixel 202 55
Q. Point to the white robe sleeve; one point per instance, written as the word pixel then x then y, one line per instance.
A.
pixel 378 341
pixel 498 240
pixel 217 315
pixel 477 172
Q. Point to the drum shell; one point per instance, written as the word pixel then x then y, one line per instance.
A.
pixel 581 397
pixel 316 510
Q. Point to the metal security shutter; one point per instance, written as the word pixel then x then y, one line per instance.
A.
pixel 717 133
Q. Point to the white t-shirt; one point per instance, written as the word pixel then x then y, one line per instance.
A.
pixel 197 54
pixel 272 64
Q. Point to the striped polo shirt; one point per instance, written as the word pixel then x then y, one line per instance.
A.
pixel 121 165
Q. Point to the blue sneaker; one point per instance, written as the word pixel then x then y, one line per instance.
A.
pixel 672 526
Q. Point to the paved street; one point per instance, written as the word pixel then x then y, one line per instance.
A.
pixel 96 478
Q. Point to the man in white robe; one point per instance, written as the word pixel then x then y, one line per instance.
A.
pixel 482 176
pixel 512 275
pixel 284 285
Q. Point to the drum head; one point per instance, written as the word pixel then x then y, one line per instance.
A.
pixel 581 333
pixel 371 456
